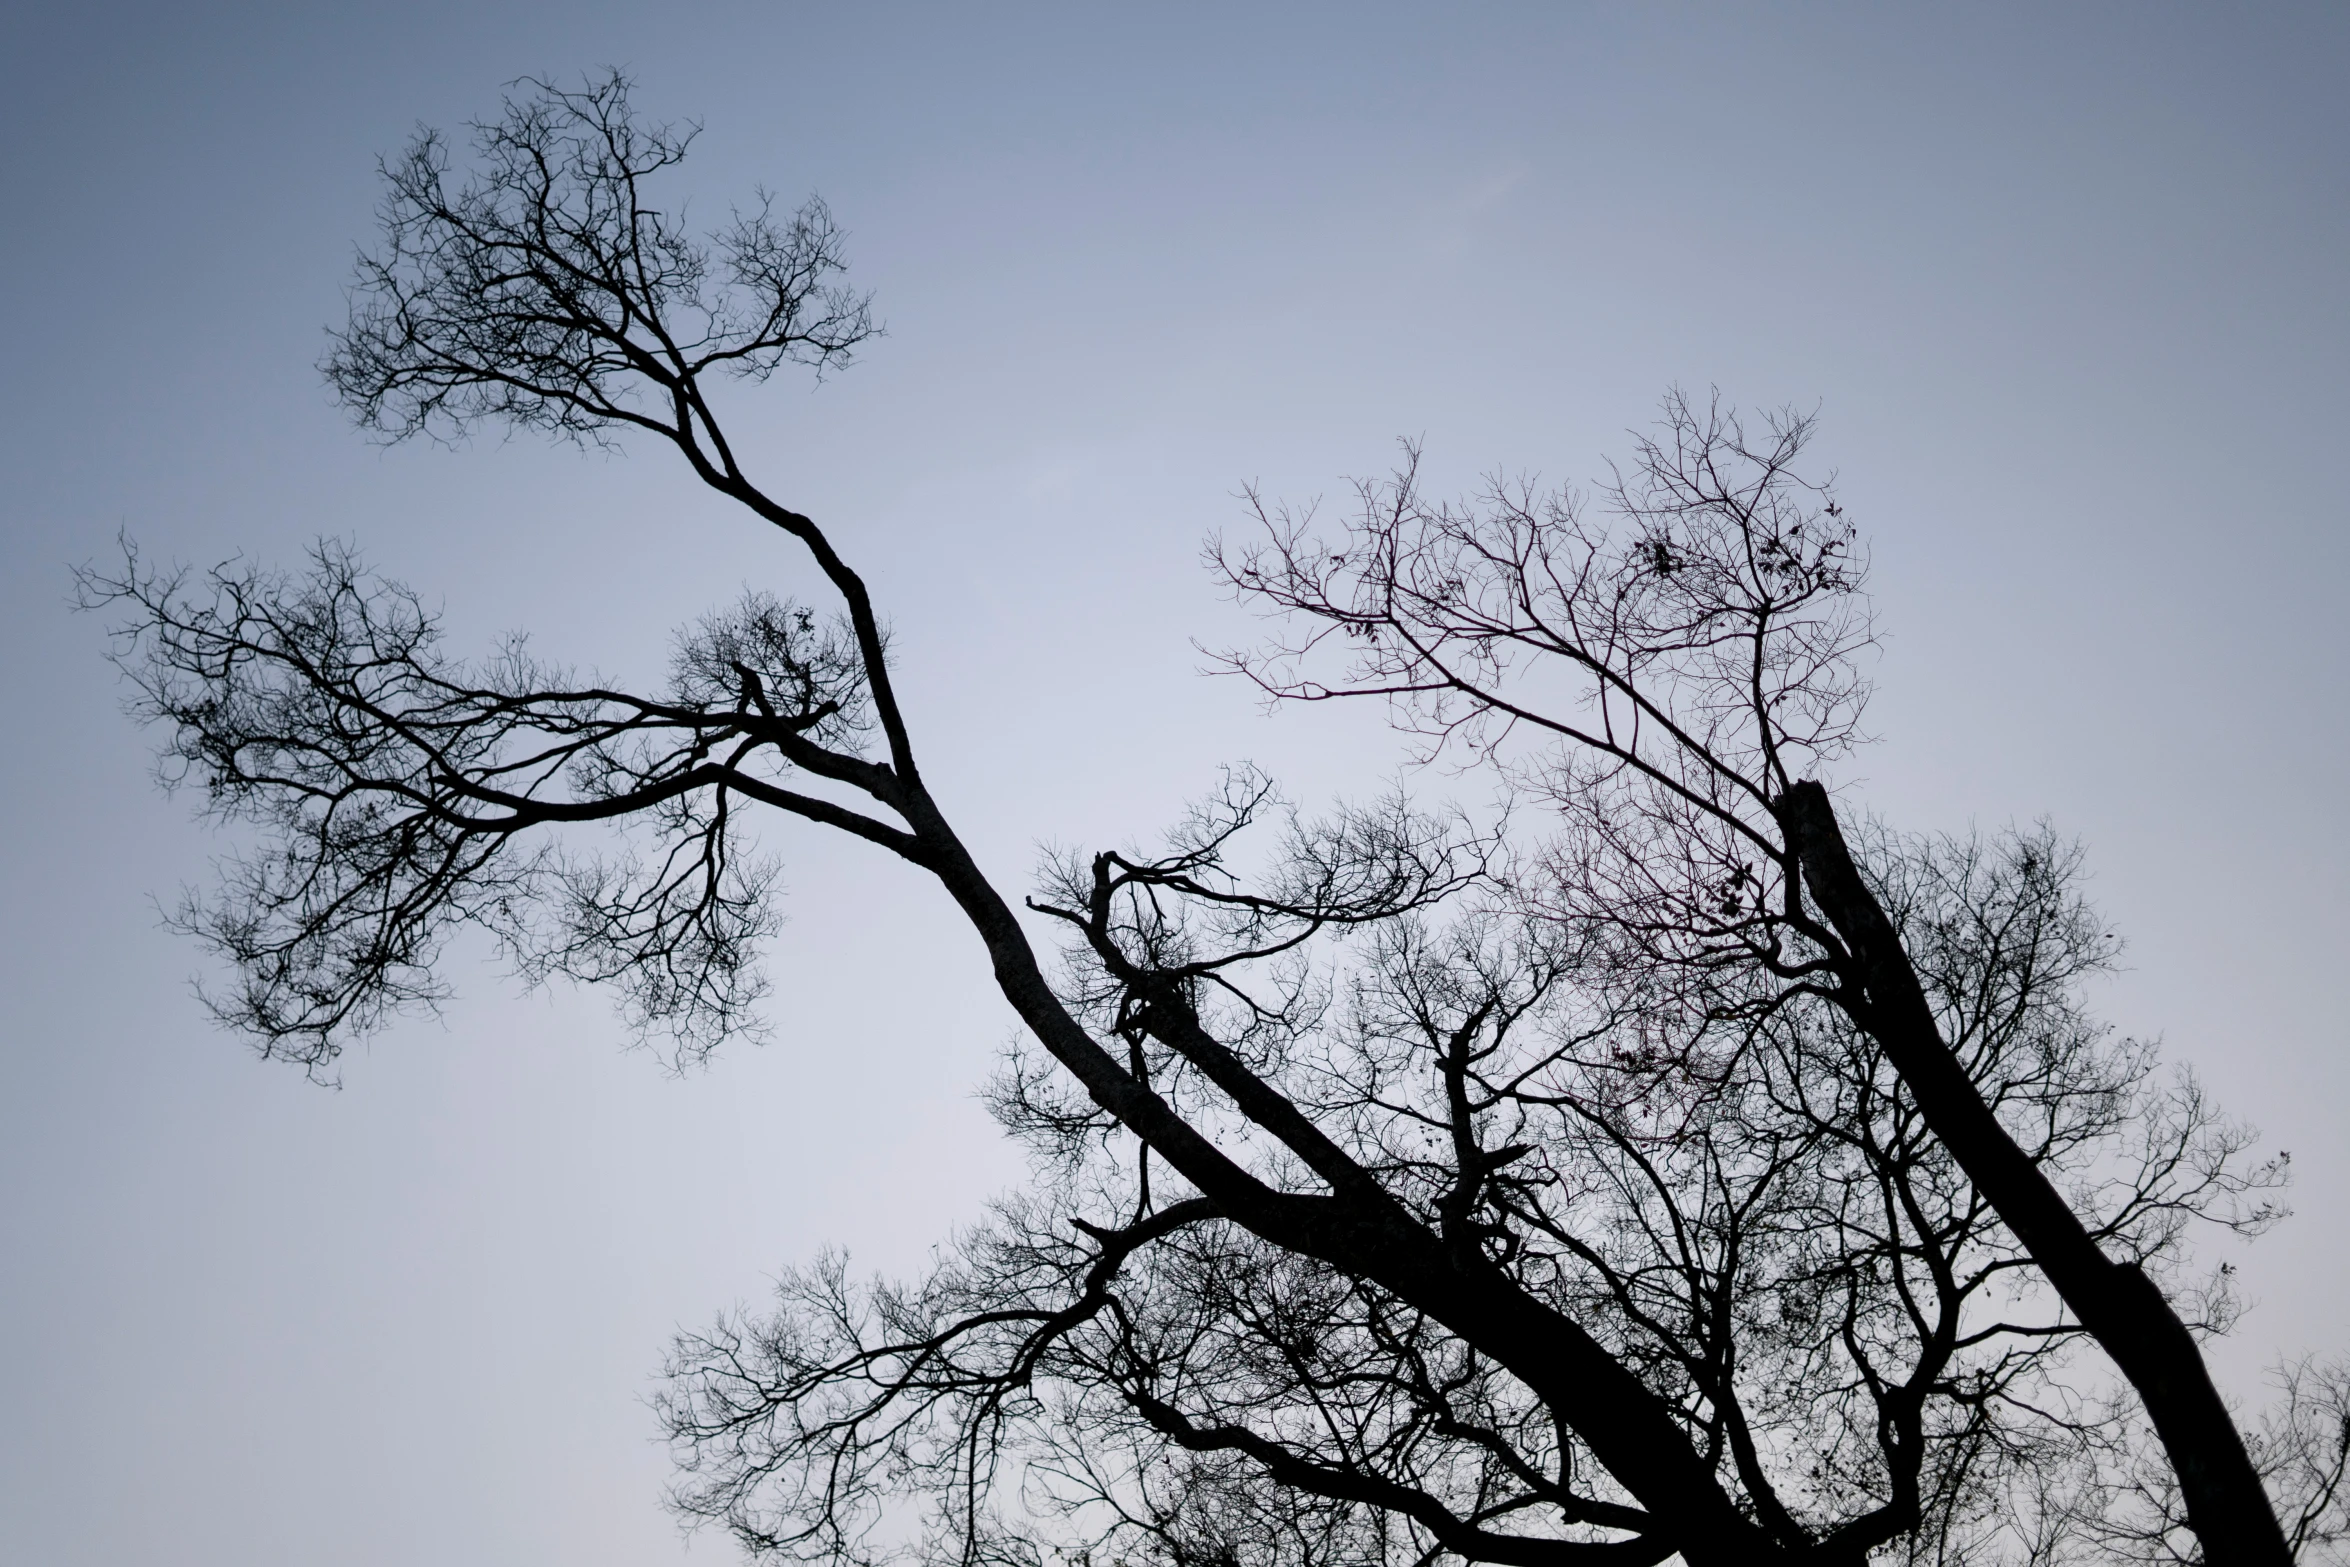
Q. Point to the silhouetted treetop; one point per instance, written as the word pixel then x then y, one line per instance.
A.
pixel 548 287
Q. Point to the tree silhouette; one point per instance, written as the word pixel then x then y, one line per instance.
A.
pixel 1676 1181
pixel 1681 680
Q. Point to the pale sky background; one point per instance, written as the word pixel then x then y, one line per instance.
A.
pixel 2068 283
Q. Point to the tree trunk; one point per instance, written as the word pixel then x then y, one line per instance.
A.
pixel 2226 1504
pixel 1628 1427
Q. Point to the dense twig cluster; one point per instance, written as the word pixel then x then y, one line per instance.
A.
pixel 547 288
pixel 399 792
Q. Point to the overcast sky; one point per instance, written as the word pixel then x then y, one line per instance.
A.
pixel 2067 285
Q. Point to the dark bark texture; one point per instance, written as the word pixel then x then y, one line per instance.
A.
pixel 2226 1504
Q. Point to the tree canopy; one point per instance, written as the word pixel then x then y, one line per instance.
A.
pixel 1676 1166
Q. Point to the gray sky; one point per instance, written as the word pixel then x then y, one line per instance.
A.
pixel 2068 284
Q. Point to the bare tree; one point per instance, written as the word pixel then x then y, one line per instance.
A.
pixel 1399 1196
pixel 1748 1213
pixel 1682 678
